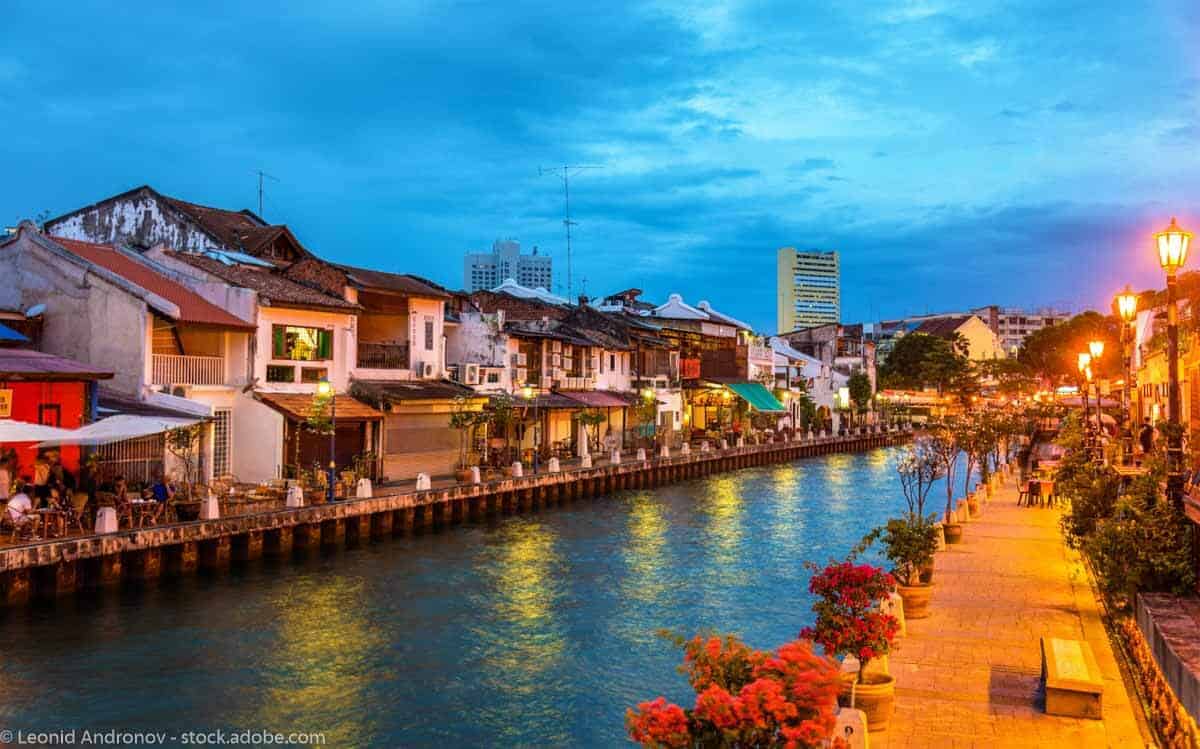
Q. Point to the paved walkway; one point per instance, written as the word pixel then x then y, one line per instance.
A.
pixel 968 676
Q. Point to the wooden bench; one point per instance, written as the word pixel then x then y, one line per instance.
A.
pixel 1071 678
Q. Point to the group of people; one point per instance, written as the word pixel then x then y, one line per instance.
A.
pixel 52 486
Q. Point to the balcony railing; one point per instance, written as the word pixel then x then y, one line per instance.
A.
pixel 177 369
pixel 382 355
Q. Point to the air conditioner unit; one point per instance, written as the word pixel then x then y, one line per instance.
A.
pixel 556 360
pixel 472 374
pixel 426 369
pixel 556 346
pixel 522 360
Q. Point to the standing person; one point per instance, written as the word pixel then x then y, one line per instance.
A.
pixel 6 478
pixel 41 480
pixel 1146 437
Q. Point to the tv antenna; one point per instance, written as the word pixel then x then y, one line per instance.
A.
pixel 564 173
pixel 261 176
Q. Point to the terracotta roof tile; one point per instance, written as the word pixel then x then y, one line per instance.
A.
pixel 271 286
pixel 193 308
pixel 297 405
pixel 398 282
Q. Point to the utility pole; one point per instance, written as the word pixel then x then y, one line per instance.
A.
pixel 564 173
pixel 261 175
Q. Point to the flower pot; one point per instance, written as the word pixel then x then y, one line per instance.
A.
pixel 916 600
pixel 463 475
pixel 926 574
pixel 953 531
pixel 973 506
pixel 875 695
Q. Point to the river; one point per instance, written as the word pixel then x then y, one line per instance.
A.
pixel 535 630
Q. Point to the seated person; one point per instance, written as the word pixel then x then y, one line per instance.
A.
pixel 20 508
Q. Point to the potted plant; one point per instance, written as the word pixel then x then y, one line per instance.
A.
pixel 909 544
pixel 850 622
pixel 466 418
pixel 945 448
pixel 745 698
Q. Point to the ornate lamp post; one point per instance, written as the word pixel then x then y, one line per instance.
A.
pixel 1127 309
pixel 325 390
pixel 1096 348
pixel 1173 245
pixel 1085 363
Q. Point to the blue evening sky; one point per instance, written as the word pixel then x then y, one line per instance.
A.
pixel 956 152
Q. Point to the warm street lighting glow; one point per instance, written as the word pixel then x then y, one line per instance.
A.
pixel 1172 247
pixel 1097 349
pixel 324 389
pixel 527 392
pixel 1088 373
pixel 1084 360
pixel 1127 304
pixel 648 393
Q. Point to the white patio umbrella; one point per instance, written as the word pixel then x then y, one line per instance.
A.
pixel 25 431
pixel 118 428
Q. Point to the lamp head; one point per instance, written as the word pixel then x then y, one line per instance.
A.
pixel 527 392
pixel 1096 348
pixel 1127 304
pixel 1085 359
pixel 324 387
pixel 1173 245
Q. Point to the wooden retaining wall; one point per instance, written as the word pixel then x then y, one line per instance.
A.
pixel 66 566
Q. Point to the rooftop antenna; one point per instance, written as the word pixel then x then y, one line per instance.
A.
pixel 261 175
pixel 564 173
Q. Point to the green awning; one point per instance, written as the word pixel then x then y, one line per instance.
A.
pixel 756 395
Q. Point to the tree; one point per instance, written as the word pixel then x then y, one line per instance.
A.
pixel 920 359
pixel 465 417
pixel 184 444
pixel 1051 353
pixel 945 447
pixel 593 417
pixel 859 385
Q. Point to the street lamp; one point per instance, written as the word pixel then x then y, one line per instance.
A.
pixel 1084 363
pixel 325 390
pixel 1172 245
pixel 1127 303
pixel 530 395
pixel 1096 348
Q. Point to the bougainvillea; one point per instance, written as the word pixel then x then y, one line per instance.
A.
pixel 745 698
pixel 849 621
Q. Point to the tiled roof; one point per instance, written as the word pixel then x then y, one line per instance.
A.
pixel 942 326
pixel 193 308
pixel 398 282
pixel 272 287
pixel 16 363
pixel 228 226
pixel 296 406
pixel 414 390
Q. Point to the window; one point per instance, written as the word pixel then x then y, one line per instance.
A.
pixel 277 373
pixel 221 442
pixel 612 362
pixel 493 377
pixel 428 332
pixel 301 344
pixel 313 374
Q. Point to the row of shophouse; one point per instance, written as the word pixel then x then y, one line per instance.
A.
pixel 218 316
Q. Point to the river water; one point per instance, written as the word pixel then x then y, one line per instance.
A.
pixel 535 630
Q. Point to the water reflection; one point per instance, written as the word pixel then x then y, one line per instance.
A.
pixel 533 631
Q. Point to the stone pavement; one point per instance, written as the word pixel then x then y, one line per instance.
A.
pixel 969 675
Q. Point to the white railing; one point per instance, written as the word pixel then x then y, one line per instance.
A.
pixel 173 369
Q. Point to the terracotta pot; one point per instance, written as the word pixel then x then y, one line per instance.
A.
pixel 926 574
pixel 916 600
pixel 875 695
pixel 463 475
pixel 973 506
pixel 953 531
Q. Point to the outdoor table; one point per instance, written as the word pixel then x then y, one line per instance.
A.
pixel 144 509
pixel 53 522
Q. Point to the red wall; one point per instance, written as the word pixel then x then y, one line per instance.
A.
pixel 71 399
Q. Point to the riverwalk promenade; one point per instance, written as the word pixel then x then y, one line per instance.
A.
pixel 969 675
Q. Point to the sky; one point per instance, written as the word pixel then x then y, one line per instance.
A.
pixel 955 152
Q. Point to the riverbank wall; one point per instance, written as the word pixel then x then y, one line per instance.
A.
pixel 48 569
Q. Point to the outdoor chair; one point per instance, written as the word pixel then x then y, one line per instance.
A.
pixel 1023 494
pixel 21 524
pixel 77 509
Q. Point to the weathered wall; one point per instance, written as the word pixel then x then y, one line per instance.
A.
pixel 138 219
pixel 257 440
pixel 87 318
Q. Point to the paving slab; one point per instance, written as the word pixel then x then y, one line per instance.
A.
pixel 969 675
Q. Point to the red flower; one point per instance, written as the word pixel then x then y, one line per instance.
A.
pixel 658 724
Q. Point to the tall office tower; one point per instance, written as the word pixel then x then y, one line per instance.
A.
pixel 808 288
pixel 487 270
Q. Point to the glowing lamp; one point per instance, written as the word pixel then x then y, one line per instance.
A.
pixel 1127 304
pixel 1085 359
pixel 648 393
pixel 527 392
pixel 1088 373
pixel 324 388
pixel 1172 247
pixel 844 397
pixel 1097 349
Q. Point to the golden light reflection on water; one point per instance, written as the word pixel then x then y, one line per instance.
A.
pixel 320 661
pixel 723 506
pixel 839 481
pixel 525 580
pixel 644 557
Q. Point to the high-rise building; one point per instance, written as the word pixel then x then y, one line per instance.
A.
pixel 1013 325
pixel 487 270
pixel 808 288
